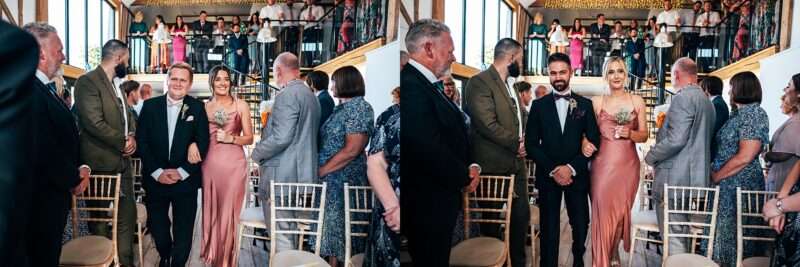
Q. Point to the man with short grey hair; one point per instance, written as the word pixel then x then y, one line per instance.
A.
pixel 287 152
pixel 58 173
pixel 681 155
pixel 435 145
pixel 107 137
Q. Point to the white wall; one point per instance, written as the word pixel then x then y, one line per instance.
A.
pixel 381 75
pixel 28 10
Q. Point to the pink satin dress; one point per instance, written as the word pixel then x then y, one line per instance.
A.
pixel 615 180
pixel 224 180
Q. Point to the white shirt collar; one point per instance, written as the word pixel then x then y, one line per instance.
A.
pixel 171 101
pixel 317 93
pixel 42 77
pixel 567 92
pixel 713 97
pixel 424 70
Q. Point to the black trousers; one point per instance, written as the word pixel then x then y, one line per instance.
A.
pixel 430 226
pixel 47 220
pixel 177 245
pixel 577 202
pixel 201 55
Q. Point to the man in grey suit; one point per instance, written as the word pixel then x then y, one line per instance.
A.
pixel 287 151
pixel 681 155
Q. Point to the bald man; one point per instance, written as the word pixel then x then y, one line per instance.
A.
pixel 681 156
pixel 540 91
pixel 287 152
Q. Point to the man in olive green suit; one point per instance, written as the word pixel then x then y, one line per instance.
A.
pixel 106 137
pixel 496 140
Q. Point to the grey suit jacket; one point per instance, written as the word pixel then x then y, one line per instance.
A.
pixel 289 143
pixel 682 154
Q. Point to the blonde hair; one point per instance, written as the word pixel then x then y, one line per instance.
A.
pixel 538 17
pixel 138 16
pixel 607 64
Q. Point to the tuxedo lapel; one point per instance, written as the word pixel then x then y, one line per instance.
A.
pixel 554 121
pixel 441 102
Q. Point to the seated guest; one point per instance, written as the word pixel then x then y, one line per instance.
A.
pixel 736 164
pixel 450 90
pixel 318 82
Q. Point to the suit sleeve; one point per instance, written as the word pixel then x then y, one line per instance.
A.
pixel 143 139
pixel 482 110
pixel 285 116
pixel 580 162
pixel 676 133
pixel 533 138
pixel 200 136
pixel 90 114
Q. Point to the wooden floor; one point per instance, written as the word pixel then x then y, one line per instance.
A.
pixel 257 256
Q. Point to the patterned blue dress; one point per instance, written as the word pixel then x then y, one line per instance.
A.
pixel 750 122
pixel 351 117
pixel 383 244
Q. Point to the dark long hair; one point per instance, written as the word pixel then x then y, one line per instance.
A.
pixel 212 75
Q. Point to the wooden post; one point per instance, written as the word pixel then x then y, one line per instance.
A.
pixel 786 25
pixel 41 11
pixel 393 10
pixel 438 10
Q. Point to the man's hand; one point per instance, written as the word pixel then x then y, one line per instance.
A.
pixel 194 154
pixel 636 56
pixel 587 148
pixel 239 51
pixel 130 146
pixel 521 153
pixel 169 176
pixel 563 175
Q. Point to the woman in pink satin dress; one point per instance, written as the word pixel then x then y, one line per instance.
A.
pixel 224 170
pixel 615 168
pixel 179 40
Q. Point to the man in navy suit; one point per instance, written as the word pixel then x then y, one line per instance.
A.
pixel 237 44
pixel 318 81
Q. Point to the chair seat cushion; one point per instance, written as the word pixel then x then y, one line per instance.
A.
pixel 291 258
pixel 87 250
pixel 645 220
pixel 141 214
pixel 755 262
pixel 479 251
pixel 684 260
pixel 253 217
pixel 357 260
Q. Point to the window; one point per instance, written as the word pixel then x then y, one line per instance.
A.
pixel 84 26
pixel 476 25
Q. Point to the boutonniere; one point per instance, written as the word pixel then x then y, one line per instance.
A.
pixel 573 104
pixel 184 108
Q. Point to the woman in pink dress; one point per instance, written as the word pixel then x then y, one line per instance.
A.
pixel 615 168
pixel 224 170
pixel 179 40
pixel 576 35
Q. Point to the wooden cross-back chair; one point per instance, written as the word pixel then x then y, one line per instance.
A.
pixel 306 204
pixel 700 204
pixel 94 250
pixel 751 226
pixel 358 205
pixel 141 210
pixel 486 251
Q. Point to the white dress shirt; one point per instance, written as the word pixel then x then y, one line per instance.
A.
pixel 173 111
pixel 671 18
pixel 122 104
pixel 316 11
pixel 712 18
pixel 513 96
pixel 293 13
pixel 562 107
pixel 424 70
pixel 274 12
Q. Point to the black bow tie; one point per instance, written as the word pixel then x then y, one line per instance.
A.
pixel 565 97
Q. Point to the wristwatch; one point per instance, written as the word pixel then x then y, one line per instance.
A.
pixel 779 205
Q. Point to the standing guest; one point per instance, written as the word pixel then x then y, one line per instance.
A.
pixel 783 172
pixel 450 90
pixel 318 82
pixel 57 170
pixel 132 97
pixel 224 170
pixel 672 19
pixel 202 36
pixel 346 30
pixel 253 26
pixel 782 214
pixel 383 173
pixel 634 25
pixel 179 40
pixel 159 55
pixel 622 119
pixel 168 125
pixel 292 14
pixel 272 15
pixel 650 54
pixel 145 93
pixel 343 138
pixel 708 21
pixel 541 91
pixel 220 34
pixel 497 144
pixel 635 53
pixel 237 45
pixel 736 164
pixel 712 86
pixel 556 125
pixel 138 32
pixel 236 20
pixel 600 44
pixel 576 35
pixel 437 146
pixel 690 34
pixel 557 38
pixel 537 33
pixel 681 153
pixel 312 31
pixel 617 37
pixel 525 93
pixel 741 41
pixel 287 152
pixel 403 58
pixel 107 138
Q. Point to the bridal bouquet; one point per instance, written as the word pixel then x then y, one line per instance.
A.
pixel 622 117
pixel 220 117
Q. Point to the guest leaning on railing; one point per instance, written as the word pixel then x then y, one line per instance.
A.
pixel 537 54
pixel 179 40
pixel 138 34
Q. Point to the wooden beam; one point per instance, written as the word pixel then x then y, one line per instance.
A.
pixel 416 10
pixel 750 63
pixel 353 57
pixel 72 72
pixel 403 11
pixel 20 19
pixel 786 25
pixel 393 21
pixel 6 12
pixel 437 10
pixel 463 71
pixel 41 11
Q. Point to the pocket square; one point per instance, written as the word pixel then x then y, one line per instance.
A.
pixel 190 118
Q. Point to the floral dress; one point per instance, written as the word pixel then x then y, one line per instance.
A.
pixel 750 122
pixel 351 117
pixel 383 245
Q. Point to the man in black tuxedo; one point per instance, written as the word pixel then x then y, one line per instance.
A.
pixel 435 146
pixel 556 126
pixel 168 124
pixel 57 171
pixel 202 35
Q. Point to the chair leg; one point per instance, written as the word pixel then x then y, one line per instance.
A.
pixel 533 245
pixel 141 240
pixel 239 241
pixel 634 231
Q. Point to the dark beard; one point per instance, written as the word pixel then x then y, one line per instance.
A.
pixel 120 71
pixel 514 70
pixel 560 85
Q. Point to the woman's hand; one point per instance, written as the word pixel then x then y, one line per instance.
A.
pixel 392 218
pixel 194 154
pixel 770 209
pixel 224 137
pixel 623 132
pixel 588 148
pixel 777 223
